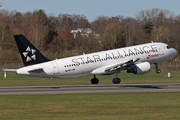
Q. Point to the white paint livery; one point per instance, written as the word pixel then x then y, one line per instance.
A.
pixel 134 59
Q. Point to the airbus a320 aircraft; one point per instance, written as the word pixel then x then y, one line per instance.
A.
pixel 133 59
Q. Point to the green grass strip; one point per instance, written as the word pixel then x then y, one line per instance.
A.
pixel 121 106
pixel 126 78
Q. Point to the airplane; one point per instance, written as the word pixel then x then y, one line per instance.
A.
pixel 134 59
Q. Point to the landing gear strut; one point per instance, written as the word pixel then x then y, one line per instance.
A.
pixel 94 80
pixel 158 71
pixel 116 80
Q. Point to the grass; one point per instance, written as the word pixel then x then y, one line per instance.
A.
pixel 104 106
pixel 124 106
pixel 149 78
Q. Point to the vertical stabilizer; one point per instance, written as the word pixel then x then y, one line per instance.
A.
pixel 29 54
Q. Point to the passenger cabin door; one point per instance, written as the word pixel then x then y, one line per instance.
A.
pixel 56 68
pixel 160 49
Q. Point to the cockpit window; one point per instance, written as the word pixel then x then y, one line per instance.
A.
pixel 168 47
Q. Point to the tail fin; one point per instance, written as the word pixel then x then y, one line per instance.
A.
pixel 29 54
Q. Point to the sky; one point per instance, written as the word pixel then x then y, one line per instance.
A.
pixel 91 8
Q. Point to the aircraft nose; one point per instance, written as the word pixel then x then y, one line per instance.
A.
pixel 174 52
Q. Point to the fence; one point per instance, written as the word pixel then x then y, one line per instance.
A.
pixel 11 65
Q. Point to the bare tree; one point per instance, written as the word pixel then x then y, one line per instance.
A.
pixel 114 36
pixel 4 28
pixel 100 24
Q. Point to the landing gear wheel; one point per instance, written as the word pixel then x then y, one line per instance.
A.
pixel 158 71
pixel 116 80
pixel 94 80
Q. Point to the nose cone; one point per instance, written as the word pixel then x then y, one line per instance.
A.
pixel 174 52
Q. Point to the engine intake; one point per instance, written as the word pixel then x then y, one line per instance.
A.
pixel 140 68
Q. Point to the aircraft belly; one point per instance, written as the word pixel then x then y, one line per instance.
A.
pixel 31 72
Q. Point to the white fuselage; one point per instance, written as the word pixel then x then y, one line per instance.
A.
pixel 84 64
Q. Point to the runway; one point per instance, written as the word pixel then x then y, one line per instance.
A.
pixel 130 88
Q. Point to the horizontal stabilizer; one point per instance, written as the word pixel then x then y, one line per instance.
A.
pixel 8 70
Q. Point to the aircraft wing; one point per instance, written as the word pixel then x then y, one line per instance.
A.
pixel 111 68
pixel 122 65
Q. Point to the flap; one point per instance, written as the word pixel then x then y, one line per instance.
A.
pixel 111 68
pixel 122 65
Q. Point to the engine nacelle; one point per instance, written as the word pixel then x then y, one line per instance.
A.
pixel 140 68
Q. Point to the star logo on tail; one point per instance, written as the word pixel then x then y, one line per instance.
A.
pixel 29 54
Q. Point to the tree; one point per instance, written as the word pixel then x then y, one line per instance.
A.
pixel 81 22
pixel 147 27
pixel 17 18
pixel 4 29
pixel 130 28
pixel 100 24
pixel 62 43
pixel 156 16
pixel 114 36
pixel 65 22
pixel 161 34
pixel 39 24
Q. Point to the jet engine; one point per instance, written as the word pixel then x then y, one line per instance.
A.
pixel 140 68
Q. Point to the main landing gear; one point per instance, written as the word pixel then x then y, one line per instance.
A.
pixel 115 80
pixel 94 80
pixel 158 71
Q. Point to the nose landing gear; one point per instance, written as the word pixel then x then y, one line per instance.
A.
pixel 158 71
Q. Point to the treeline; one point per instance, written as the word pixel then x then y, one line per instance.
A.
pixel 52 34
